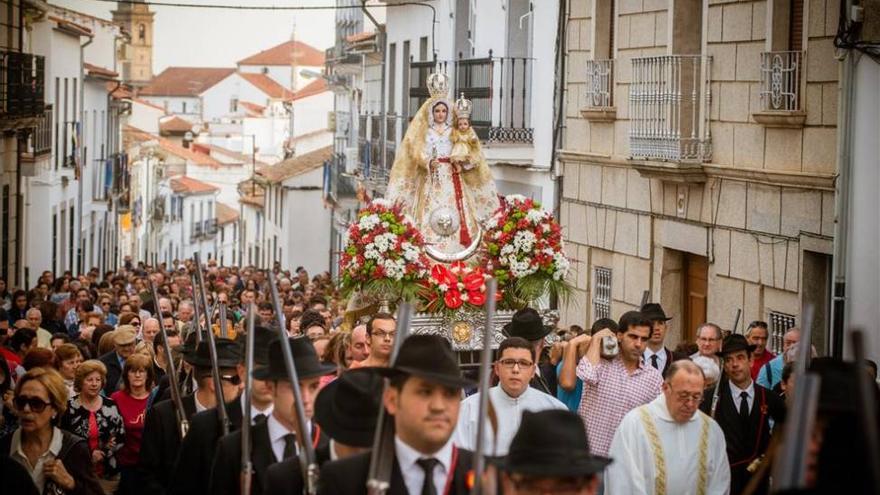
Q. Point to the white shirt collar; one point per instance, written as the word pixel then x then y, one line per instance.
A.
pixel 199 406
pixel 277 431
pixel 54 444
pixel 413 474
pixel 256 412
pixel 736 391
pixel 660 409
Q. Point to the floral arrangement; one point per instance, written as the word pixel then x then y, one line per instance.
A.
pixel 455 287
pixel 384 254
pixel 523 245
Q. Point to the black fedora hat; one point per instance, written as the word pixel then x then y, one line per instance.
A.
pixel 305 360
pixel 551 443
pixel 654 312
pixel 429 357
pixel 263 336
pixel 347 408
pixel 734 343
pixel 228 354
pixel 528 324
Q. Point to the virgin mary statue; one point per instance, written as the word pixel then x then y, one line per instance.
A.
pixel 448 199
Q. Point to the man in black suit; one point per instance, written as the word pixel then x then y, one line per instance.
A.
pixel 192 470
pixel 124 339
pixel 528 324
pixel 424 397
pixel 656 354
pixel 564 464
pixel 273 440
pixel 347 410
pixel 161 437
pixel 744 411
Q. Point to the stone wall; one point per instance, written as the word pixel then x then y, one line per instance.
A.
pixel 766 196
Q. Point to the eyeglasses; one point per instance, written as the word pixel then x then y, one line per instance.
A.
pixel 707 339
pixel 510 363
pixel 686 397
pixel 35 404
pixel 233 379
pixel 384 335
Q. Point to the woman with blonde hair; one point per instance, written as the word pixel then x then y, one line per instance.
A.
pixel 57 461
pixel 132 399
pixel 97 419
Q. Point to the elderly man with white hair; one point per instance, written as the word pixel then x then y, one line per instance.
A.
pixel 669 445
pixel 35 319
pixel 771 373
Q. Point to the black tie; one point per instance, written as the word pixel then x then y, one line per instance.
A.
pixel 744 406
pixel 428 465
pixel 289 446
pixel 259 418
pixel 654 362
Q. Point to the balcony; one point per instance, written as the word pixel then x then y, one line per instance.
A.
pixel 40 140
pixel 499 87
pixel 668 116
pixel 209 227
pixel 21 89
pixel 781 90
pixel 600 92
pixel 197 231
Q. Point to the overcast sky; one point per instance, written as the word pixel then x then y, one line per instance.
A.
pixel 219 38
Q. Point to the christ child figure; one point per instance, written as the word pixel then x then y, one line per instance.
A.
pixel 466 152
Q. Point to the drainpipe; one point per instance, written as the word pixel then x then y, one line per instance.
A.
pixel 842 198
pixel 82 168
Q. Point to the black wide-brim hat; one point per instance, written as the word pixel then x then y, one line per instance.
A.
pixel 654 312
pixel 228 354
pixel 735 343
pixel 263 337
pixel 347 408
pixel 528 324
pixel 431 358
pixel 305 361
pixel 551 443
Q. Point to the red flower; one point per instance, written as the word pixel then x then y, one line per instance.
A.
pixel 473 281
pixel 452 298
pixel 477 298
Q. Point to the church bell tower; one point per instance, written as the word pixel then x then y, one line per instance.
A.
pixel 137 54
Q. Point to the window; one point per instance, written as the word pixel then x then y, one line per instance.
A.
pixel 392 77
pixel 183 107
pixel 142 33
pixel 779 324
pixel 405 85
pixel 70 226
pixel 601 293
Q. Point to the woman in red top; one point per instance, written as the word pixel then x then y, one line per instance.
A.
pixel 138 380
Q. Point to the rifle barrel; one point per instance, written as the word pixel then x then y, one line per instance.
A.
pixel 212 350
pixel 246 465
pixel 169 364
pixel 307 460
pixel 485 372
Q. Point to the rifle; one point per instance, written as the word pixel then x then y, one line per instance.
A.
pixel 382 458
pixel 485 372
pixel 224 332
pixel 646 297
pixel 171 371
pixel 868 411
pixel 196 316
pixel 790 471
pixel 307 461
pixel 246 464
pixel 717 387
pixel 212 350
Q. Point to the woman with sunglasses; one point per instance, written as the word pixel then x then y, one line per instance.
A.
pixel 132 399
pixel 97 419
pixel 57 461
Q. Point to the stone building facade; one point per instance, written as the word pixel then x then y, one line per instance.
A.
pixel 698 160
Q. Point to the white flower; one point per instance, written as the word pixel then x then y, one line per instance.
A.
pixel 382 202
pixel 368 222
pixel 443 287
pixel 524 240
pixel 535 216
pixel 515 197
pixel 507 249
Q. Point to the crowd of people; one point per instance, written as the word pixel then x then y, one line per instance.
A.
pixel 88 406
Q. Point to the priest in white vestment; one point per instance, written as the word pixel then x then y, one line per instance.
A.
pixel 668 446
pixel 515 368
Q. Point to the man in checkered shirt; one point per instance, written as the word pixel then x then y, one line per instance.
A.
pixel 614 387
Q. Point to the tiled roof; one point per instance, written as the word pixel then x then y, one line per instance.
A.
pixel 225 213
pixel 287 53
pixel 94 70
pixel 71 26
pixel 252 200
pixel 185 81
pixel 297 165
pixel 311 89
pixel 175 125
pixel 267 85
pixel 170 147
pixel 187 185
pixel 252 109
pixel 362 36
pixel 147 103
pixel 118 91
pixel 207 149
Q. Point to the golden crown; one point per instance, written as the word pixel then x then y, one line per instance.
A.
pixel 438 84
pixel 463 107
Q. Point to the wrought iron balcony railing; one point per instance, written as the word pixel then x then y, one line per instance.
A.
pixel 197 231
pixel 600 83
pixel 781 81
pixel 40 140
pixel 668 117
pixel 210 227
pixel 21 85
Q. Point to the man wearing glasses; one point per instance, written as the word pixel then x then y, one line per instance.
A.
pixel 669 443
pixel 381 330
pixel 708 342
pixel 515 368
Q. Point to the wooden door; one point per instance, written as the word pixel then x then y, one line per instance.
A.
pixel 696 284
